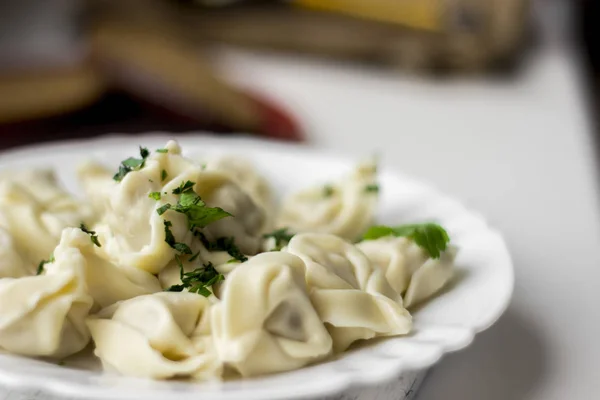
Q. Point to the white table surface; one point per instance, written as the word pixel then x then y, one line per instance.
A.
pixel 520 153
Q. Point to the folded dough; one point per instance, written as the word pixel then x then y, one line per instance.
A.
pixel 34 209
pixel 245 174
pixel 265 321
pixel 345 209
pixel 11 263
pixel 106 282
pixel 408 268
pixel 160 336
pixel 352 298
pixel 45 315
pixel 132 230
pixel 248 221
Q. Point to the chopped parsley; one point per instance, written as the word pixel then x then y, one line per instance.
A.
pixel 163 175
pixel 197 212
pixel 154 195
pixel 197 281
pixel 184 187
pixel 131 164
pixel 93 235
pixel 222 244
pixel 429 236
pixel 281 236
pixel 163 209
pixel 162 150
pixel 170 239
pixel 42 263
pixel 193 258
pixel 328 190
pixel 373 188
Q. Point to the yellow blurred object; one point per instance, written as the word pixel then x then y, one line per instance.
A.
pixel 419 14
pixel 39 95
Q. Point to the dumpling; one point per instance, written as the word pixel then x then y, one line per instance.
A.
pixel 35 210
pixel 11 263
pixel 134 233
pixel 265 321
pixel 160 336
pixel 345 209
pixel 248 221
pixel 408 268
pixel 106 282
pixel 221 260
pixel 45 315
pixel 98 185
pixel 244 174
pixel 131 231
pixel 352 298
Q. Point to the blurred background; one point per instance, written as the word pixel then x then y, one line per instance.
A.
pixel 79 68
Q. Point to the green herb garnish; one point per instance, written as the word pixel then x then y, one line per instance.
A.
pixel 162 150
pixel 328 190
pixel 42 263
pixel 154 195
pixel 281 236
pixel 184 187
pixel 198 280
pixel 163 209
pixel 197 212
pixel 170 239
pixel 93 235
pixel 193 258
pixel 429 236
pixel 131 164
pixel 373 188
pixel 222 244
pixel 163 175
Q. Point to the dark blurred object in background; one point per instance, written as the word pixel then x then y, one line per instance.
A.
pixel 462 36
pixel 588 19
pixel 138 65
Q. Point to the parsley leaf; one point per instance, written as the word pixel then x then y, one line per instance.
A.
pixel 42 263
pixel 170 239
pixel 328 191
pixel 429 236
pixel 373 188
pixel 281 236
pixel 198 280
pixel 144 152
pixel 182 248
pixel 184 187
pixel 196 210
pixel 222 244
pixel 93 235
pixel 155 196
pixel 163 175
pixel 193 258
pixel 162 150
pixel 131 164
pixel 163 209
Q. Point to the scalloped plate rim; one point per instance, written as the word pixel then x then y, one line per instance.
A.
pixel 342 381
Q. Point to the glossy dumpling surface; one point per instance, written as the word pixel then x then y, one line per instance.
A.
pixel 160 336
pixel 11 262
pixel 351 297
pixel 345 209
pixel 34 209
pixel 277 328
pixel 408 268
pixel 45 315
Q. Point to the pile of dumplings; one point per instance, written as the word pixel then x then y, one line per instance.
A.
pixel 283 304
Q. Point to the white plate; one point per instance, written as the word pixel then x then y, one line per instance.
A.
pixel 447 323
